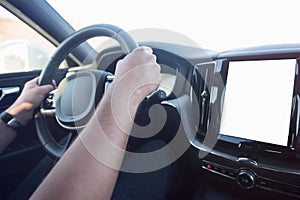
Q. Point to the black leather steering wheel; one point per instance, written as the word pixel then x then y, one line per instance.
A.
pixel 127 45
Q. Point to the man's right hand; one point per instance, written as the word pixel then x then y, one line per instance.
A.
pixel 138 74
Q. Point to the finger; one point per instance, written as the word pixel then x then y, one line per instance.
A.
pixel 144 49
pixel 45 89
pixel 31 83
pixel 34 80
pixel 153 58
pixel 147 50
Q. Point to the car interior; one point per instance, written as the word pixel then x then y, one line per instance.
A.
pixel 238 109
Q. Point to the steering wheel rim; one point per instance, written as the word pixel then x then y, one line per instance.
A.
pixel 127 45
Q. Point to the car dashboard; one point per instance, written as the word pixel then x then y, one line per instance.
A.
pixel 247 110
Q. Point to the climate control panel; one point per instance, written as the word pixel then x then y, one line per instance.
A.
pixel 247 178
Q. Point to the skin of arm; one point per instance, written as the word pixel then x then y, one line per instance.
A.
pixel 82 173
pixel 23 108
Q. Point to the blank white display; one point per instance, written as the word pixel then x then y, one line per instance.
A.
pixel 258 100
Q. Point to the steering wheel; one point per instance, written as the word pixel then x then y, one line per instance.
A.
pixel 73 85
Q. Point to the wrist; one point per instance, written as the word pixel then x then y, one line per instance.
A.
pixel 118 107
pixel 20 113
pixel 11 121
pixel 123 95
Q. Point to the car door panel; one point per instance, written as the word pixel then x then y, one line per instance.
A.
pixel 23 154
pixel 14 80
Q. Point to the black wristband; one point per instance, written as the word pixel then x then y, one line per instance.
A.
pixel 5 117
pixel 11 121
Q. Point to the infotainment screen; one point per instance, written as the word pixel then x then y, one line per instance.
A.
pixel 258 99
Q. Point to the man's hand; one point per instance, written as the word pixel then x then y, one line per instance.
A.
pixel 138 74
pixel 30 98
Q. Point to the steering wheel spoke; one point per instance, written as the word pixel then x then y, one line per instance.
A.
pixel 48 105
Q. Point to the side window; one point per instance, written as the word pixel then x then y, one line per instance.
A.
pixel 21 48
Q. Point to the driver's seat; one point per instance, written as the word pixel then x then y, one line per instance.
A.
pixel 26 188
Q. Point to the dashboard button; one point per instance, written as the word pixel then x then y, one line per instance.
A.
pixel 246 179
pixel 248 147
pixel 231 173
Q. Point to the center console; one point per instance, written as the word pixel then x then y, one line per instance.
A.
pixel 249 122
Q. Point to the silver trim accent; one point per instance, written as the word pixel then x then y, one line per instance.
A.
pixel 201 147
pixel 172 103
pixel 51 112
pixel 210 84
pixel 273 151
pixel 8 91
pixel 247 161
pixel 206 63
pixel 46 112
pixel 110 78
pixel 69 127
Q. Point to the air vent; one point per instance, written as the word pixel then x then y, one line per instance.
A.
pixel 203 84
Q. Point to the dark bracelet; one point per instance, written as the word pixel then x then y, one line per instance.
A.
pixel 11 121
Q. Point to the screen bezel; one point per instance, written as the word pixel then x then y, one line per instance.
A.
pixel 222 73
pixel 258 63
pixel 208 135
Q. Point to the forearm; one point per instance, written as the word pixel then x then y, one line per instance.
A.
pixel 89 169
pixel 23 108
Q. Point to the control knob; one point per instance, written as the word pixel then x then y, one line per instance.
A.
pixel 246 179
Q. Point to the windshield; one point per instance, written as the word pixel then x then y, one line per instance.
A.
pixel 215 25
